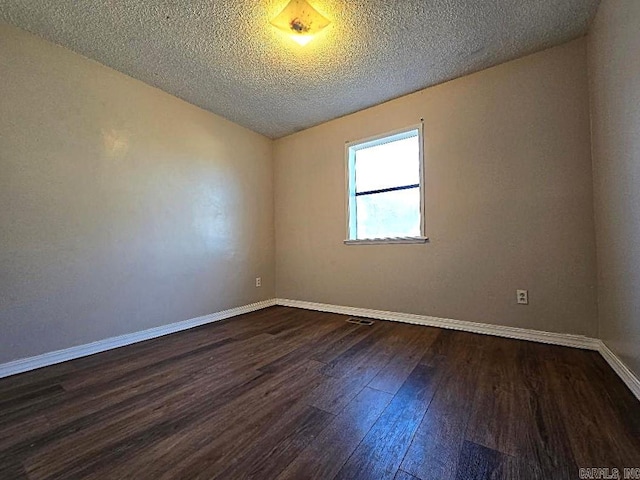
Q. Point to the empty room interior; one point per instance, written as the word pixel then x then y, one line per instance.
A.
pixel 320 239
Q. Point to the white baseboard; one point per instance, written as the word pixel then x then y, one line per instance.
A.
pixel 621 369
pixel 58 356
pixel 564 339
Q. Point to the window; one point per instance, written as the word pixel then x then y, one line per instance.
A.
pixel 385 189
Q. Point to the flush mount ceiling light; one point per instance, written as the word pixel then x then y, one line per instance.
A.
pixel 300 20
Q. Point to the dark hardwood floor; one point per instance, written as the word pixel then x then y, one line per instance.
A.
pixel 292 394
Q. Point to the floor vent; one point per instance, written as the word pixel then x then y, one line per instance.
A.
pixel 360 321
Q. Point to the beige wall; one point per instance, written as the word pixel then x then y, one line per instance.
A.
pixel 614 68
pixel 509 202
pixel 121 207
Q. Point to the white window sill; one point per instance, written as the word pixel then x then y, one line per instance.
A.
pixel 379 241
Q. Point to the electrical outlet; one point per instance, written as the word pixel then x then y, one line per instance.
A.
pixel 258 281
pixel 523 297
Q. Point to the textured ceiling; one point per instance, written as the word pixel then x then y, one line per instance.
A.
pixel 224 56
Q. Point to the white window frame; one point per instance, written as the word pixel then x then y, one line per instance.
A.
pixel 350 157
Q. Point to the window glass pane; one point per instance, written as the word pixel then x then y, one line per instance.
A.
pixel 388 165
pixel 389 214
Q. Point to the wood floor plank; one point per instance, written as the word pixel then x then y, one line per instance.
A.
pixel 352 370
pixel 597 435
pixel 382 450
pixel 156 359
pixel 501 402
pixel 402 475
pixel 334 394
pixel 133 383
pixel 543 430
pixel 478 462
pixel 619 398
pixel 34 379
pixel 324 457
pixel 76 454
pixel 436 446
pixel 32 442
pixel 18 432
pixel 288 393
pixel 328 353
pixel 241 327
pixel 309 347
pixel 378 345
pixel 410 349
pixel 26 405
pixel 213 435
pixel 287 437
pixel 265 428
pixel 12 469
pixel 63 408
pixel 481 463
